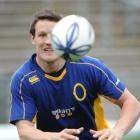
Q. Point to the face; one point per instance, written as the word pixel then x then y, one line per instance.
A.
pixel 42 41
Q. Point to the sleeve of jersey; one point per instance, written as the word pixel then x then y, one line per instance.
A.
pixel 22 103
pixel 107 82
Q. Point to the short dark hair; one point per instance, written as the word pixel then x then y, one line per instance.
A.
pixel 44 14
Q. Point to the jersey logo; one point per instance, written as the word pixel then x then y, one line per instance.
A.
pixel 117 82
pixel 34 79
pixel 83 92
pixel 62 113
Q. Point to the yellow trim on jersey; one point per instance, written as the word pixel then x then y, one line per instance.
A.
pixel 58 77
pixel 100 120
pixel 35 119
pixel 110 99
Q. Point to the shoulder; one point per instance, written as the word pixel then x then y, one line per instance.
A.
pixel 22 72
pixel 90 62
pixel 94 65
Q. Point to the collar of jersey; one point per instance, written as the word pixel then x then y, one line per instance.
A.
pixel 48 76
pixel 56 78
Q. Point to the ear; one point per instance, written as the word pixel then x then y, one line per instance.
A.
pixel 32 39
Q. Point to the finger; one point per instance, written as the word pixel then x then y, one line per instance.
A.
pixel 73 131
pixel 97 134
pixel 111 137
pixel 69 137
pixel 104 136
pixel 81 129
pixel 92 131
pixel 103 139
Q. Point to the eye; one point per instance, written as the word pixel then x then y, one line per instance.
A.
pixel 42 35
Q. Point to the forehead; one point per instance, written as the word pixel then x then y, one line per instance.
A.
pixel 44 26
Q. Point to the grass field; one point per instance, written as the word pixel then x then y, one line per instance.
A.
pixel 136 138
pixel 132 138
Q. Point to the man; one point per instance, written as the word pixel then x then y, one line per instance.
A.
pixel 63 96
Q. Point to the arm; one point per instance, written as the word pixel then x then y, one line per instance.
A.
pixel 27 131
pixel 130 112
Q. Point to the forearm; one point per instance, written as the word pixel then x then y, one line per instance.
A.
pixel 129 115
pixel 32 135
pixel 27 131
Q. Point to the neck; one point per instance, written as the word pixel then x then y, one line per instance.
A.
pixel 53 66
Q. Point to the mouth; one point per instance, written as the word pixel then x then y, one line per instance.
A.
pixel 48 50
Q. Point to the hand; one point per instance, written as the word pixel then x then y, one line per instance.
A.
pixel 106 134
pixel 66 134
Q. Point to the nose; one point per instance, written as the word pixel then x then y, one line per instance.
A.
pixel 48 39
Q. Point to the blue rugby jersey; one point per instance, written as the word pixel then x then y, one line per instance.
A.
pixel 70 99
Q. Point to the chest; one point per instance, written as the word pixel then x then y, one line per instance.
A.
pixel 68 91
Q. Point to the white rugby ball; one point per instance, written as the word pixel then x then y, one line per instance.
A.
pixel 73 37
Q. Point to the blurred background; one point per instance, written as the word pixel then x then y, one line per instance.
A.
pixel 117 27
